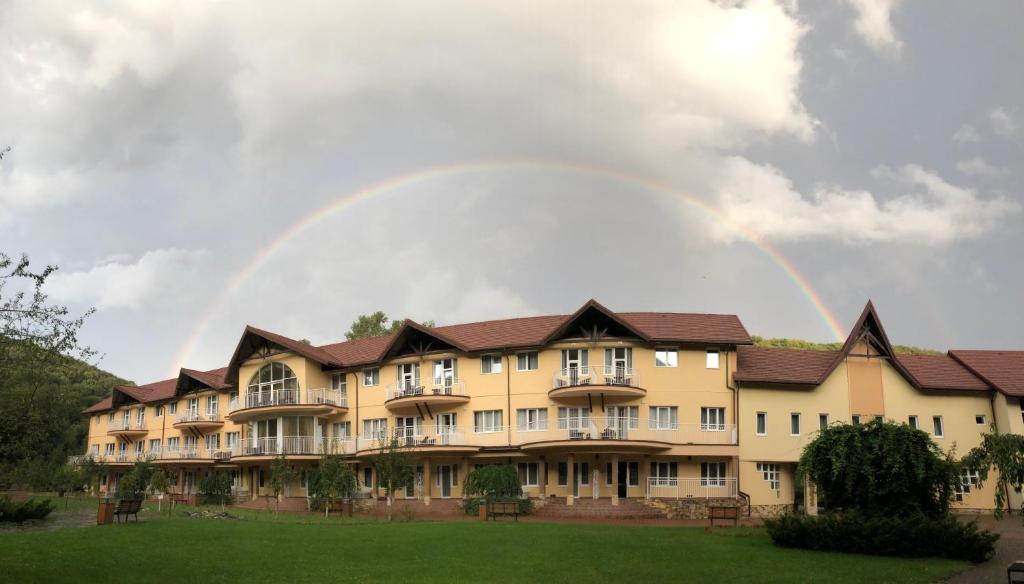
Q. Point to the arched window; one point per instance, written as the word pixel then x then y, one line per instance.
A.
pixel 273 376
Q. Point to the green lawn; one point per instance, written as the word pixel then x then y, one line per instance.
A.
pixel 311 549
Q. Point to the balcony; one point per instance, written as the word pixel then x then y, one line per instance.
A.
pixel 447 439
pixel 310 402
pixel 692 488
pixel 294 445
pixel 125 428
pixel 608 381
pixel 440 393
pixel 621 434
pixel 197 419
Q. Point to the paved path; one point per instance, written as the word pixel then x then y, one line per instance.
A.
pixel 1009 549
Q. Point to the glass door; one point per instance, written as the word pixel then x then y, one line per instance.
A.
pixel 574 365
pixel 445 428
pixel 623 478
pixel 445 476
pixel 444 376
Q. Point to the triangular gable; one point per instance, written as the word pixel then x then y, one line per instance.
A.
pixel 414 339
pixel 870 330
pixel 594 321
pixel 265 343
pixel 126 394
pixel 191 380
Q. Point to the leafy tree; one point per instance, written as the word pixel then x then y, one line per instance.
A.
pixel 498 481
pixel 281 473
pixel 216 487
pixel 334 480
pixel 158 483
pixel 91 472
pixel 68 480
pixel 1005 454
pixel 375 325
pixel 395 468
pixel 880 468
pixel 133 485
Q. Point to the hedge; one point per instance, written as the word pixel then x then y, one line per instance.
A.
pixel 19 513
pixel 911 537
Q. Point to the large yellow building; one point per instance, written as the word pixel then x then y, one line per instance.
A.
pixel 597 404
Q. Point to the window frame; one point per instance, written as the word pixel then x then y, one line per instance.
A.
pixel 913 422
pixel 488 417
pixel 526 414
pixel 654 418
pixel 536 361
pixel 523 468
pixel 798 419
pixel 374 373
pixel 712 479
pixel 938 427
pixel 674 351
pixel 706 425
pixel 761 424
pixel 982 417
pixel 823 418
pixel 492 359
pixel 708 358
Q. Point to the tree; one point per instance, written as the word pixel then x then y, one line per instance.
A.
pixel 133 485
pixel 68 480
pixel 880 468
pixel 500 481
pixel 91 472
pixel 375 325
pixel 395 468
pixel 1005 454
pixel 281 473
pixel 216 487
pixel 158 483
pixel 334 480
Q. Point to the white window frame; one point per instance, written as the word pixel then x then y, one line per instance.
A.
pixel 758 419
pixel 795 417
pixel 855 419
pixel 528 356
pixel 524 468
pixel 771 473
pixel 371 377
pixel 671 359
pixel 172 408
pixel 629 415
pixel 655 421
pixel 345 430
pixel 484 421
pixel 712 359
pixel 538 424
pixel 490 364
pixel 212 405
pixel 375 428
pixel 706 422
pixel 982 417
pixel 154 445
pixel 823 418
pixel 158 411
pixel 573 417
pixel 173 443
pixel 339 382
pixel 913 422
pixel 712 474
pixel 140 416
pixel 938 427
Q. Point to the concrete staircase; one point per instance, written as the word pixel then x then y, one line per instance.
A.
pixel 555 507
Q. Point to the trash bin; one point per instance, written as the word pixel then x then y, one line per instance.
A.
pixel 105 513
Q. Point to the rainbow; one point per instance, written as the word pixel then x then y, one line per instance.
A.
pixel 433 173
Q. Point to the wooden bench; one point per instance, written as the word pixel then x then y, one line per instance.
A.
pixel 724 512
pixel 506 508
pixel 127 507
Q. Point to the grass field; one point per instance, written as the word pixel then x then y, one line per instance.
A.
pixel 260 548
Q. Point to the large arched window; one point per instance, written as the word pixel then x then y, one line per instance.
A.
pixel 274 382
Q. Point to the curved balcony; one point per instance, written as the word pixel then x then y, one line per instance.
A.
pixel 575 382
pixel 301 446
pixel 309 402
pixel 198 420
pixel 441 393
pixel 623 434
pixel 441 440
pixel 123 428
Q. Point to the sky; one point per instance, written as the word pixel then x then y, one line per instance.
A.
pixel 193 168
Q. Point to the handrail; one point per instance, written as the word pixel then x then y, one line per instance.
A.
pixel 607 375
pixel 196 416
pixel 437 387
pixel 692 487
pixel 290 397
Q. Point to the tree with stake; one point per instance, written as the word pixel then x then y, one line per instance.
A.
pixel 394 467
pixel 335 480
pixel 281 473
pixel 158 484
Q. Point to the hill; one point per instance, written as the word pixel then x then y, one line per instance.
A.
pixel 801 344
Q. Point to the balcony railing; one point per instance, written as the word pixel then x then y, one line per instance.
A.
pixel 413 437
pixel 608 375
pixel 691 488
pixel 290 397
pixel 123 426
pixel 439 386
pixel 189 416
pixel 625 428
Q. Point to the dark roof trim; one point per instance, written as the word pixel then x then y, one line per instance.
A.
pixel 592 305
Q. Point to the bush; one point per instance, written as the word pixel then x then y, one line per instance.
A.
pixel 215 489
pixel 494 480
pixel 19 513
pixel 909 537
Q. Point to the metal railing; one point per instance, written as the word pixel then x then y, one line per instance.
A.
pixel 290 397
pixel 414 437
pixel 691 488
pixel 608 375
pixel 624 428
pixel 437 386
pixel 189 416
pixel 123 426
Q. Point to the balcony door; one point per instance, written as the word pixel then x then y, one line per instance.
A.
pixel 444 477
pixel 408 428
pixel 618 364
pixel 446 424
pixel 444 375
pixel 623 478
pixel 574 365
pixel 193 408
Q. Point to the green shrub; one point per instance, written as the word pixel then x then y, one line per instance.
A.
pixel 215 489
pixel 494 480
pixel 910 537
pixel 19 513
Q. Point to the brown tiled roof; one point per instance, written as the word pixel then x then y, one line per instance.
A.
pixel 100 406
pixel 359 351
pixel 1003 370
pixel 940 372
pixel 683 327
pixel 789 366
pixel 315 353
pixel 213 378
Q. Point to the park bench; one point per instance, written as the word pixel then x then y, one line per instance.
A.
pixel 506 508
pixel 127 507
pixel 724 513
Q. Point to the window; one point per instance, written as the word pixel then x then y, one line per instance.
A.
pixel 582 473
pixel 531 419
pixel 937 426
pixel 912 421
pixel 140 416
pixel 666 358
pixel 368 477
pixel 407 375
pixel 154 445
pixel 213 441
pixel 274 377
pixel 110 417
pixel 528 361
pixel 794 424
pixel 618 361
pixel 878 418
pixel 624 416
pixel 979 420
pixel 445 374
pixel 967 480
pixel 856 419
pixel 211 405
pixel 762 424
pixel 770 473
pixel 158 411
pixel 341 430
pixel 190 443
pixel 371 376
pixel 193 406
pixel 712 359
pixel 490 364
pixel 375 429
pixel 172 444
pixel 712 419
pixel 632 474
pixel 529 474
pixel 573 418
pixel 172 408
pixel 110 449
pixel 233 439
pixel 339 382
pixel 487 421
pixel 664 473
pixel 712 474
pixel 663 418
pixel 140 447
pixel 823 421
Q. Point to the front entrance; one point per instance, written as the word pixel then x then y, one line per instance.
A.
pixel 445 476
pixel 623 479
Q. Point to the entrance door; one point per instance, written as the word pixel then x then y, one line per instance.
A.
pixel 623 479
pixel 190 481
pixel 445 475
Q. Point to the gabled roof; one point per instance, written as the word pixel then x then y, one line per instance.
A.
pixel 723 329
pixel 940 372
pixel 253 338
pixel 785 366
pixel 594 314
pixel 189 379
pixel 429 340
pixel 100 406
pixel 1003 370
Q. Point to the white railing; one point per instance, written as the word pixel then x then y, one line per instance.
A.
pixel 191 452
pixel 691 488
pixel 608 375
pixel 414 437
pixel 438 386
pixel 290 397
pixel 624 428
pixel 488 436
pixel 189 416
pixel 123 426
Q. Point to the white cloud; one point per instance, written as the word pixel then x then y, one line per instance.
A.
pixel 763 200
pixel 158 277
pixel 1003 122
pixel 978 166
pixel 966 134
pixel 874 25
